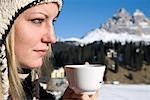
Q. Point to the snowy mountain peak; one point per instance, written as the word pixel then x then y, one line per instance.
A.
pixel 140 19
pixel 122 12
pixel 122 22
pixel 138 13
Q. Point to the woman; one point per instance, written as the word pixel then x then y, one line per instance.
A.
pixel 26 32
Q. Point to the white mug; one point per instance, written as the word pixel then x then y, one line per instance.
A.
pixel 86 78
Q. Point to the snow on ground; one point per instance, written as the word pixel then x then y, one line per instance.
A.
pixel 120 92
pixel 124 92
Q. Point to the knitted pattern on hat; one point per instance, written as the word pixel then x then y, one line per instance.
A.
pixel 9 11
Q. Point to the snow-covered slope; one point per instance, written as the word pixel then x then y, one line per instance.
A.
pixel 105 36
pixel 124 92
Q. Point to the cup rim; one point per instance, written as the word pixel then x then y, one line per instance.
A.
pixel 85 66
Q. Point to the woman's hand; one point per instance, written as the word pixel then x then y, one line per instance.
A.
pixel 75 94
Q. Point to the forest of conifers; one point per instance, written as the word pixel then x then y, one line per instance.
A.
pixel 131 55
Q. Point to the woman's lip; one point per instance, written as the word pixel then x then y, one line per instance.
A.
pixel 41 52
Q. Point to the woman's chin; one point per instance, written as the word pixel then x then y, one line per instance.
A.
pixel 36 66
pixel 32 65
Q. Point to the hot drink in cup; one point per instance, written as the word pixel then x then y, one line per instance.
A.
pixel 86 78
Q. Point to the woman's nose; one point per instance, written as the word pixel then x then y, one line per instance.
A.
pixel 49 36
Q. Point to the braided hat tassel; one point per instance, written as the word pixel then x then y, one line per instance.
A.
pixel 4 73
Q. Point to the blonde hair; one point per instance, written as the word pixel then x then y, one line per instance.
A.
pixel 47 66
pixel 16 89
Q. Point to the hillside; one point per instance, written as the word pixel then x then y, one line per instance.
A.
pixel 126 76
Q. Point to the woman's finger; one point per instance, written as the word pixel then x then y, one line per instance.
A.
pixel 94 96
pixel 75 94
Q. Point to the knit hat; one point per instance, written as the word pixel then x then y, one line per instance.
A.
pixel 9 11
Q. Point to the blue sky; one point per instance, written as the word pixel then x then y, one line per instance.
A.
pixel 81 16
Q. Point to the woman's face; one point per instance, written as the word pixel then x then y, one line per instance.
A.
pixel 33 32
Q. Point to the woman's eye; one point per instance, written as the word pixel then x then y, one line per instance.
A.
pixel 37 21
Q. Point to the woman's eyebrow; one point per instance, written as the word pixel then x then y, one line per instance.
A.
pixel 40 12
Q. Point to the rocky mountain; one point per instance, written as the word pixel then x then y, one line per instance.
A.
pixel 121 27
pixel 123 22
